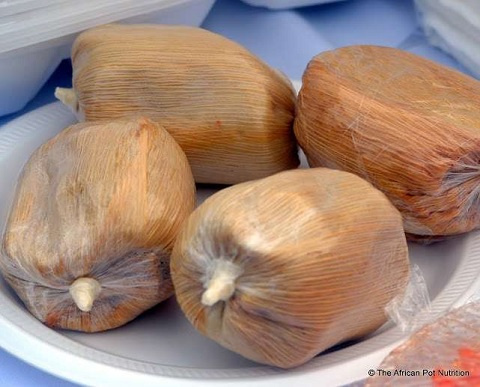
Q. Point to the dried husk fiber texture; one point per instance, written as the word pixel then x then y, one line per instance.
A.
pixel 230 112
pixel 409 126
pixel 297 262
pixel 101 201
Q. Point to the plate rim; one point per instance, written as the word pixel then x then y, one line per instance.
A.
pixel 19 326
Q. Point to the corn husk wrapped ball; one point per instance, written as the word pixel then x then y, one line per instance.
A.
pixel 282 268
pixel 409 126
pixel 229 111
pixel 89 237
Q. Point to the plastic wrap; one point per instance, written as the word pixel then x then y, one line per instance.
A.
pixel 230 112
pixel 409 126
pixel 443 353
pixel 283 268
pixel 411 309
pixel 96 212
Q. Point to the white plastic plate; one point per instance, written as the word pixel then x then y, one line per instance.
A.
pixel 160 347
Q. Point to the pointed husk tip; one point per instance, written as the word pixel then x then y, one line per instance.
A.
pixel 68 97
pixel 84 292
pixel 222 285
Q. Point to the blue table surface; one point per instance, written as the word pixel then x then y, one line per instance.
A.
pixel 286 40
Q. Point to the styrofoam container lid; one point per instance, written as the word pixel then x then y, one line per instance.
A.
pixel 284 4
pixel 27 64
pixel 454 27
pixel 11 7
pixel 68 17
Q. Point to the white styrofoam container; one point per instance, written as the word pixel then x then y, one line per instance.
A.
pixel 25 69
pixel 453 26
pixel 284 4
pixel 11 7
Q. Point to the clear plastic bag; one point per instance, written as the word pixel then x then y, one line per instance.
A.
pixel 443 353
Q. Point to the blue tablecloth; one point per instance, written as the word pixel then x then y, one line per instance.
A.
pixel 286 40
